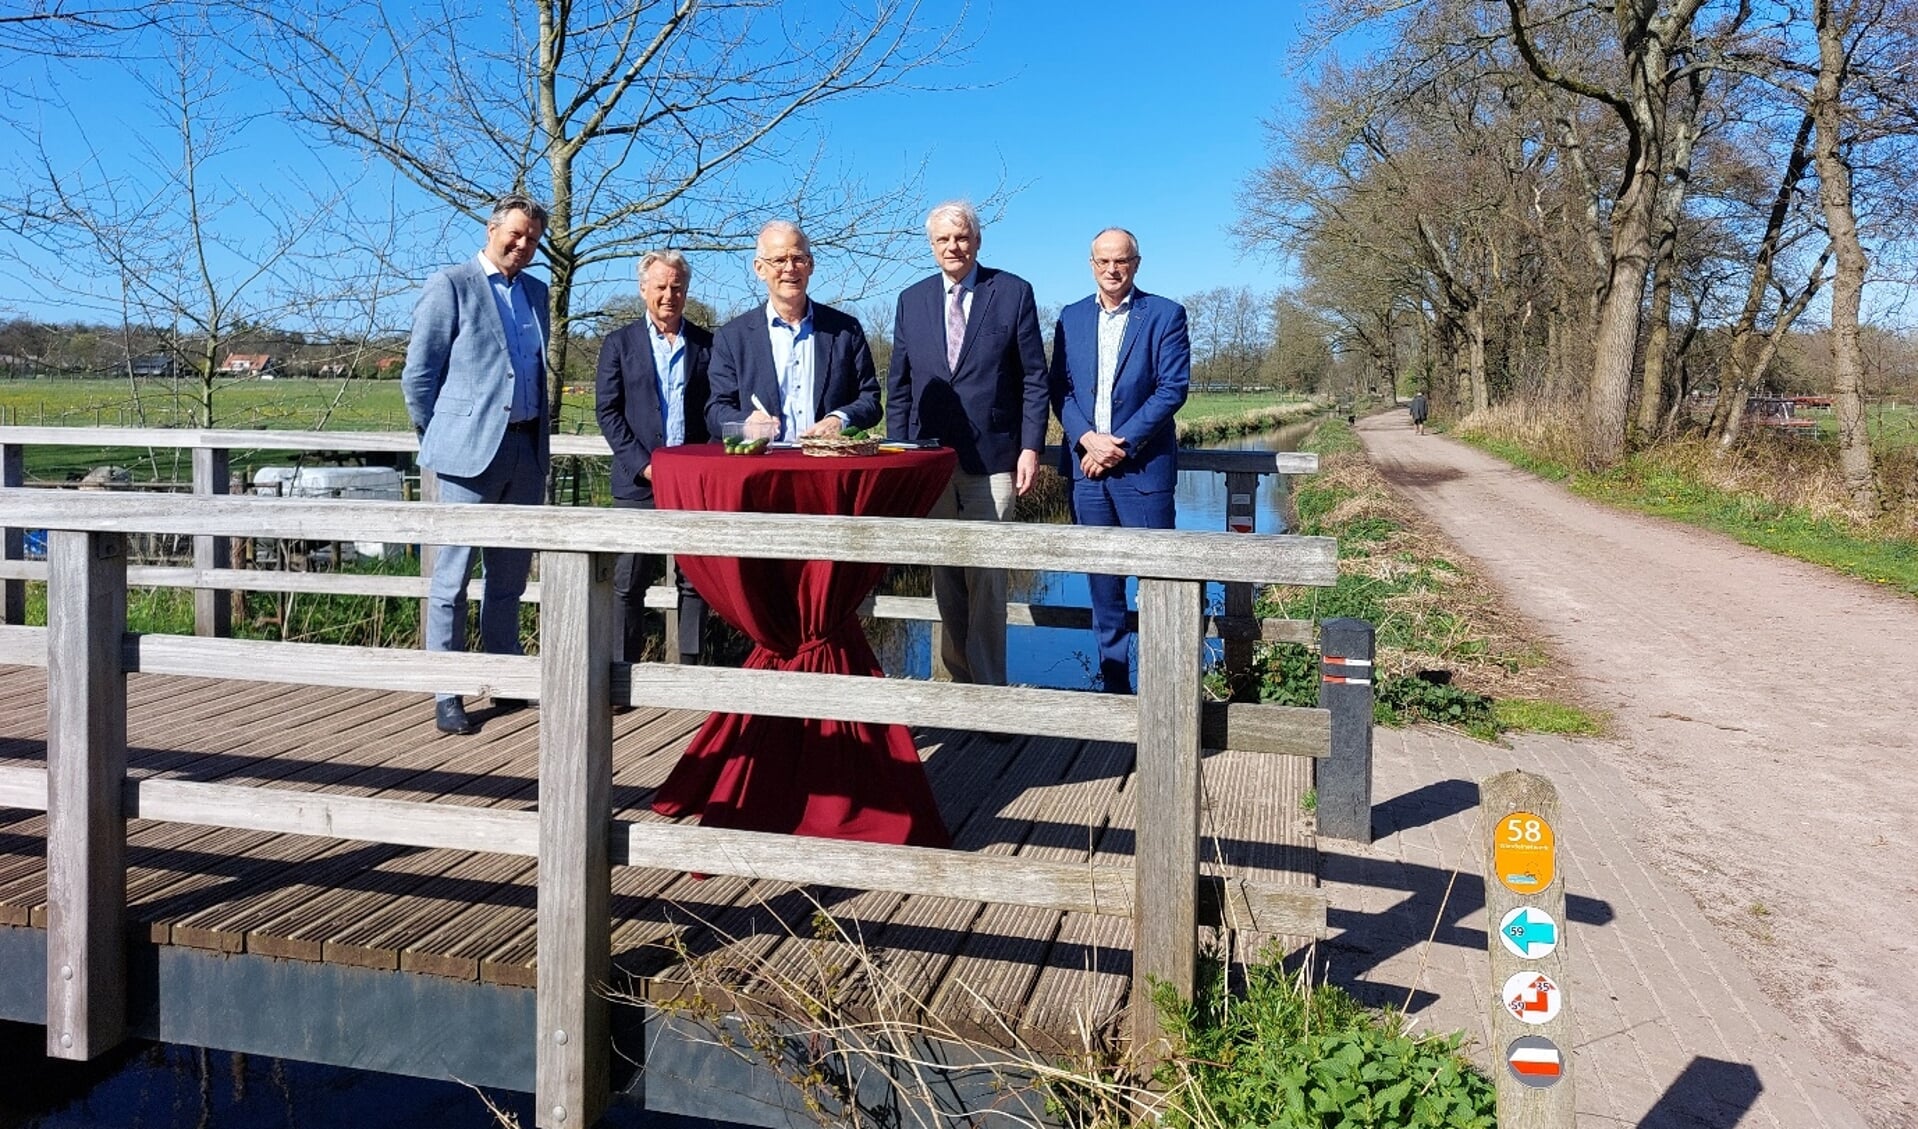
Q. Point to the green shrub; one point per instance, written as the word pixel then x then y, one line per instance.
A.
pixel 1284 1054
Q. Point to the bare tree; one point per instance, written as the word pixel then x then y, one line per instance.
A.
pixel 162 238
pixel 683 124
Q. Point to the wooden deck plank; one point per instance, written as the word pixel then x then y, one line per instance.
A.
pixel 501 946
pixel 310 887
pixel 383 923
pixel 745 944
pixel 1253 825
pixel 1008 946
pixel 159 895
pixel 1079 997
pixel 920 935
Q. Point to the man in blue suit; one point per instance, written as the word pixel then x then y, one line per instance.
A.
pixel 969 370
pixel 651 392
pixel 1121 363
pixel 793 367
pixel 475 388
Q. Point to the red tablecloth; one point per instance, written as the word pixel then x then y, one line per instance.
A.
pixel 833 779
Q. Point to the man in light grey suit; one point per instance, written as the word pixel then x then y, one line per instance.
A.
pixel 475 389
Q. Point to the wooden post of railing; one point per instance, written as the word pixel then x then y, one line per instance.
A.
pixel 1241 497
pixel 429 492
pixel 573 1064
pixel 13 593
pixel 86 769
pixel 212 610
pixel 1345 689
pixel 1165 923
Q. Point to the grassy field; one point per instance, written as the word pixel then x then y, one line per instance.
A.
pixel 299 405
pixel 1890 425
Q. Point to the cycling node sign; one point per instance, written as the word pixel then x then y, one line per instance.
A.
pixel 1523 853
pixel 1535 1061
pixel 1528 932
pixel 1532 997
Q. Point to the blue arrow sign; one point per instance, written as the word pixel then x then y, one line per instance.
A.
pixel 1529 932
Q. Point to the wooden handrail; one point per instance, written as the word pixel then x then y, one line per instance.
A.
pixel 589 446
pixel 1156 553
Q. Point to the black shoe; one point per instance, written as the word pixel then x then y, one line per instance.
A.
pixel 508 705
pixel 450 715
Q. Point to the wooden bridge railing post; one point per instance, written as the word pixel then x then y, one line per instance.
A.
pixel 13 593
pixel 1165 923
pixel 212 609
pixel 429 554
pixel 1346 649
pixel 1241 494
pixel 576 646
pixel 86 770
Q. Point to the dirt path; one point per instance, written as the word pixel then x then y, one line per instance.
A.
pixel 1768 720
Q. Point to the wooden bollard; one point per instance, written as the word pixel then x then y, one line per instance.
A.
pixel 1525 923
pixel 1345 690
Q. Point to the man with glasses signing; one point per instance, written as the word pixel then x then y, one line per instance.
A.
pixel 1121 362
pixel 793 367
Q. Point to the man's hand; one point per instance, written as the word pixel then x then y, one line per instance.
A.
pixel 1102 453
pixel 647 472
pixel 761 423
pixel 1027 472
pixel 826 428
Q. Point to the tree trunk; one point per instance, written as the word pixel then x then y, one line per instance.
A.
pixel 1651 384
pixel 1615 344
pixel 1475 368
pixel 1848 281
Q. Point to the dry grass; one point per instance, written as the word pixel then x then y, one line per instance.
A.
pixel 1461 619
pixel 1794 472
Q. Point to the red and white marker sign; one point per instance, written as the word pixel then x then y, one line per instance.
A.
pixel 1532 997
pixel 1535 1060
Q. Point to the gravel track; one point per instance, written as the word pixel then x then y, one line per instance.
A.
pixel 1765 713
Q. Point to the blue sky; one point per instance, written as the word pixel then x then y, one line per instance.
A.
pixel 1145 116
pixel 1142 115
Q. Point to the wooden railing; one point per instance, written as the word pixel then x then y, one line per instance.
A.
pixel 88 795
pixel 211 460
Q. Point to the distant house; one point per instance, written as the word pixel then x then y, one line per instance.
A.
pixel 247 364
pixel 152 365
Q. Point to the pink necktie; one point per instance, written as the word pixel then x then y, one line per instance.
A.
pixel 955 326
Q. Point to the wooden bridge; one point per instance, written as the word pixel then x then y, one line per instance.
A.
pixel 265 846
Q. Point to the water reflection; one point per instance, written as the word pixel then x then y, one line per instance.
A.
pixel 1066 660
pixel 146 1086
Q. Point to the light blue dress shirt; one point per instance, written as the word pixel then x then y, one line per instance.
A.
pixel 793 359
pixel 525 347
pixel 669 366
pixel 1111 335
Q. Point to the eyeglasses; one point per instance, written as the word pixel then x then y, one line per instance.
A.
pixel 1110 264
pixel 785 262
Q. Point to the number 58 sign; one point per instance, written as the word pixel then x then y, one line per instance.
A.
pixel 1523 854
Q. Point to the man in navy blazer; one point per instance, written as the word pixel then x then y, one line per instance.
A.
pixel 793 366
pixel 1121 362
pixel 969 370
pixel 651 392
pixel 475 386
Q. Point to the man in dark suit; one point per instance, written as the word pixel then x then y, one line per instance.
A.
pixel 475 387
pixel 651 391
pixel 969 369
pixel 792 367
pixel 1121 363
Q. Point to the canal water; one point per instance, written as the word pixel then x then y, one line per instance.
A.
pixel 143 1086
pixel 1067 660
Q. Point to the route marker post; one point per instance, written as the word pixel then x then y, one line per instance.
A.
pixel 1345 691
pixel 1525 922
